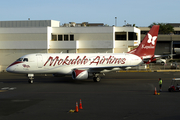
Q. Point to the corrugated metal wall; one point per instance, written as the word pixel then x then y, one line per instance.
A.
pixel 163 48
pixel 28 23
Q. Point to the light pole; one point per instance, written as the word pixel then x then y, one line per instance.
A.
pixel 125 22
pixel 171 47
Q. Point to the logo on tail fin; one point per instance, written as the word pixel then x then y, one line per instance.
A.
pixel 151 39
pixel 148 47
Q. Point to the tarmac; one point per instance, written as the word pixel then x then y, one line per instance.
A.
pixel 118 96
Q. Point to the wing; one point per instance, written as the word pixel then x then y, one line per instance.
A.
pixel 104 69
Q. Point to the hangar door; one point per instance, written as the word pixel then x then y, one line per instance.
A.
pixel 163 48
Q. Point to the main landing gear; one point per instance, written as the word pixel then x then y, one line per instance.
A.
pixel 31 78
pixel 96 77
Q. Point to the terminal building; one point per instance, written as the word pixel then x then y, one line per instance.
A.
pixel 18 38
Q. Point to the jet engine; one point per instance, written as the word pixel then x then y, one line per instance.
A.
pixel 80 74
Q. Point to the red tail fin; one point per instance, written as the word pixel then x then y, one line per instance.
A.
pixel 148 45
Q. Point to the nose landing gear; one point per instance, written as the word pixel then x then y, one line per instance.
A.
pixel 31 78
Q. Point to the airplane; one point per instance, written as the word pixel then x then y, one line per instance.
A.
pixel 83 65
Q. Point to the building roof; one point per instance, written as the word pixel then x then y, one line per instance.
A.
pixel 30 23
pixel 174 24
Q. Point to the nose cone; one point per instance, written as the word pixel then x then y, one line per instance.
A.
pixel 13 66
pixel 10 69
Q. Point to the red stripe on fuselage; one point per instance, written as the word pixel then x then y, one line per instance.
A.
pixel 16 62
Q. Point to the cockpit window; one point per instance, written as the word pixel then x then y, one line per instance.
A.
pixel 20 59
pixel 25 59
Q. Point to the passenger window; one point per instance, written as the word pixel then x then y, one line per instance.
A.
pixel 25 60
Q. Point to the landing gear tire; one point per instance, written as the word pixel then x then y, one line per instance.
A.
pixel 97 79
pixel 30 81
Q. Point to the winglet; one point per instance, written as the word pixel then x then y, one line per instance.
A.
pixel 148 44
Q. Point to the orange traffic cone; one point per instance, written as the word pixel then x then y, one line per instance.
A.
pixel 155 91
pixel 76 110
pixel 80 105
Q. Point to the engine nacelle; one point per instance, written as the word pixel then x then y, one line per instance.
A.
pixel 80 74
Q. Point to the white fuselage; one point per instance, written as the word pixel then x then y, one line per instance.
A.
pixel 65 63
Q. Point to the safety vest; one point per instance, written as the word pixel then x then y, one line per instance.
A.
pixel 160 82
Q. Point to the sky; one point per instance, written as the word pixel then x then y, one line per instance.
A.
pixel 142 13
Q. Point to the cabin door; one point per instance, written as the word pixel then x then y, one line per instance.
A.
pixel 39 60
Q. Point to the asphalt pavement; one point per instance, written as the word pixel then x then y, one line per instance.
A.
pixel 119 96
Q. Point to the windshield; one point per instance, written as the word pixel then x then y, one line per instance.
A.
pixel 22 59
pixel 25 59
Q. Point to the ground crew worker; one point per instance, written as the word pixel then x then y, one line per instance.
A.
pixel 160 84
